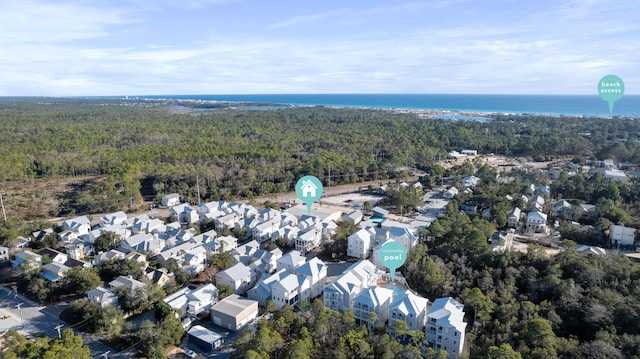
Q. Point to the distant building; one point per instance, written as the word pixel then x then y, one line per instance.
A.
pixel 445 328
pixel 170 200
pixel 621 235
pixel 537 222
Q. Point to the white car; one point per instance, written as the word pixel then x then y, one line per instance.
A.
pixel 190 353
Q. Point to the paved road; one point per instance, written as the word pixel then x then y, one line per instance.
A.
pixel 39 319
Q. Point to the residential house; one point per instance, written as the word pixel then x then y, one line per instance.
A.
pixel 290 261
pixel 209 207
pixel 113 219
pixel 68 236
pixel 288 232
pixel 160 276
pixel 170 200
pixel 621 236
pixel 316 273
pixel 126 282
pixel 360 244
pixel 537 222
pixel 470 181
pixel 184 213
pixel 53 271
pixel 239 277
pixel 537 203
pixel 340 292
pixel 193 302
pixel 501 241
pixel 261 292
pixel 75 250
pixel 142 242
pixel 234 312
pixel 450 193
pixel 25 257
pixel 244 252
pixel 290 290
pixel 591 251
pixel 410 308
pixel 112 254
pixel 445 328
pixel 513 217
pixel 102 296
pixel 137 257
pixel 80 225
pixel 263 231
pixel 221 244
pixel 263 261
pixel 562 207
pixel 147 226
pixel 372 299
pixel 226 222
pixel 307 241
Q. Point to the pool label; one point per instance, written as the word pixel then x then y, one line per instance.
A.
pixel 392 255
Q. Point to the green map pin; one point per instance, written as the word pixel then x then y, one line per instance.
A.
pixel 392 255
pixel 309 190
pixel 611 89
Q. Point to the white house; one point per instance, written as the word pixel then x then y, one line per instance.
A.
pixel 264 231
pixel 316 272
pixel 239 277
pixel 372 299
pixel 102 296
pixel 537 221
pixel 170 200
pixel 513 217
pixel 470 181
pixel 80 225
pixel 201 299
pixel 184 213
pixel 53 271
pixel 621 235
pixel 445 328
pixel 450 193
pixel 290 261
pixel 126 282
pixel 359 244
pixel 142 242
pixel 308 240
pixel 290 290
pixel 113 219
pixel 409 307
pixel 340 292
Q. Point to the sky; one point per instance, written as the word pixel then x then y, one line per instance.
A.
pixel 160 47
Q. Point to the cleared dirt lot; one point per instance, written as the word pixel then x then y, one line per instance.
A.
pixel 355 200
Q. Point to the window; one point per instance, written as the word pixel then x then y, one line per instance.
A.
pixel 455 334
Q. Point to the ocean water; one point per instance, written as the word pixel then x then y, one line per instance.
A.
pixel 591 105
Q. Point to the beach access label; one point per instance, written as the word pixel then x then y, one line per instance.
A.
pixel 611 89
pixel 392 255
pixel 309 190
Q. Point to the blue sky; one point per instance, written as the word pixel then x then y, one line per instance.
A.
pixel 146 47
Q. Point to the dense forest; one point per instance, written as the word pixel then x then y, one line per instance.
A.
pixel 128 149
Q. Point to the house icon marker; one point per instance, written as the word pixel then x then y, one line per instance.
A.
pixel 309 189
